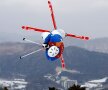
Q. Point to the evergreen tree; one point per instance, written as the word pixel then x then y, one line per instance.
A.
pixel 76 87
pixel 52 88
pixel 5 88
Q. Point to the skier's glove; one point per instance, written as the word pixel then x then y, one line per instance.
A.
pixel 45 45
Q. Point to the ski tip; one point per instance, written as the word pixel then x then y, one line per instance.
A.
pixel 24 38
pixel 87 38
pixel 23 27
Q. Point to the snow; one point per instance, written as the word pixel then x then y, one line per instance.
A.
pixel 14 84
pixel 91 85
pixel 99 81
pixel 95 83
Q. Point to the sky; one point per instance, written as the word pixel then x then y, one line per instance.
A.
pixel 80 17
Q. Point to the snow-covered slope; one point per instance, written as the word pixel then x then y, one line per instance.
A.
pixel 95 83
pixel 16 84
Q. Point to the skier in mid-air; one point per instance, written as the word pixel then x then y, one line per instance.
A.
pixel 53 42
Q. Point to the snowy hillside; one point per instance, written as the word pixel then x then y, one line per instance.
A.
pixel 16 84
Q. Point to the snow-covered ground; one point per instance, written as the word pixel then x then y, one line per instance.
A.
pixel 95 83
pixel 61 80
pixel 16 84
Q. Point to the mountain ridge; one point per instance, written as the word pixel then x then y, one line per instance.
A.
pixel 98 44
pixel 91 64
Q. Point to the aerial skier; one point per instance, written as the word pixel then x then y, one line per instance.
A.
pixel 53 42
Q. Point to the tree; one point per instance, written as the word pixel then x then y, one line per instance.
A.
pixel 76 87
pixel 52 88
pixel 5 88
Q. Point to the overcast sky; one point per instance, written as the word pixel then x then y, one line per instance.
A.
pixel 80 17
